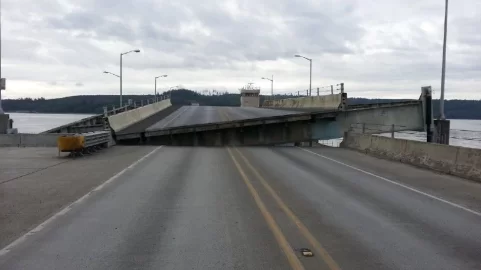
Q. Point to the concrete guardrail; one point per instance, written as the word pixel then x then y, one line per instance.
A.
pixel 29 140
pixel 123 120
pixel 455 160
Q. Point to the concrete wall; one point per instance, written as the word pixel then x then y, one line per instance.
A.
pixel 379 120
pixel 328 102
pixel 250 101
pixel 455 160
pixel 29 140
pixel 123 120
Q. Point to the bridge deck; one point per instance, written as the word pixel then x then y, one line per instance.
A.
pixel 218 208
pixel 199 115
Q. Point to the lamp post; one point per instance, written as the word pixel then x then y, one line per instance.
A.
pixel 443 72
pixel 272 83
pixel 155 89
pixel 122 54
pixel 310 71
pixel 106 72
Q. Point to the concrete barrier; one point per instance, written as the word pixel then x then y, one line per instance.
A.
pixel 438 157
pixel 384 146
pixel 29 140
pixel 468 163
pixel 323 102
pixel 9 140
pixel 123 120
pixel 455 160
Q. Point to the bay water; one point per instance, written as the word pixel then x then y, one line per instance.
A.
pixel 465 133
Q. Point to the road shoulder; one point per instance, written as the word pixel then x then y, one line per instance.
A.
pixel 42 184
pixel 451 188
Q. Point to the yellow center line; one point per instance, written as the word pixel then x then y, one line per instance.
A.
pixel 302 228
pixel 275 229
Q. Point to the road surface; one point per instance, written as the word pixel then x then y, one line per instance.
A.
pixel 255 208
pixel 196 115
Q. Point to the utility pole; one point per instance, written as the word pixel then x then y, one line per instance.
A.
pixel 122 54
pixel 443 75
pixel 310 72
pixel 272 83
pixel 310 77
pixel 1 110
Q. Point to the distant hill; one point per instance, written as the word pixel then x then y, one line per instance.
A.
pixel 93 104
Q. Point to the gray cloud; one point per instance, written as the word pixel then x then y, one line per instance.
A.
pixel 373 46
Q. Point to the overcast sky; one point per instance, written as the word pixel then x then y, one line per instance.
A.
pixel 378 48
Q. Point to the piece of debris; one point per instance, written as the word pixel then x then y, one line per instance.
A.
pixel 306 252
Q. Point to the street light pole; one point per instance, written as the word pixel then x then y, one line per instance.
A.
pixel 310 77
pixel 443 72
pixel 120 77
pixel 122 54
pixel 310 72
pixel 106 72
pixel 155 89
pixel 272 83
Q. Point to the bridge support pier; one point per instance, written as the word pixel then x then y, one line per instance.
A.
pixel 195 139
pixel 260 132
pixel 442 131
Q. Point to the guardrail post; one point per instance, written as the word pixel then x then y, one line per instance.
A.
pixel 332 89
pixel 392 131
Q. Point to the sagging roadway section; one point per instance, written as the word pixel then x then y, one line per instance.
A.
pixel 189 127
pixel 256 208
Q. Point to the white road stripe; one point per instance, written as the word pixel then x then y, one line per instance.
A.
pixel 398 184
pixel 65 210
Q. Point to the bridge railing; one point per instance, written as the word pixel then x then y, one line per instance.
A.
pixel 130 104
pixel 371 128
pixel 315 91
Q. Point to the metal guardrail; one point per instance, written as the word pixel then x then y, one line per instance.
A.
pixel 323 90
pixel 83 143
pixel 370 128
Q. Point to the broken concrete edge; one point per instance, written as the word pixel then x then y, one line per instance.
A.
pixel 455 160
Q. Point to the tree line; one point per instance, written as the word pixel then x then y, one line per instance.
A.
pixel 93 104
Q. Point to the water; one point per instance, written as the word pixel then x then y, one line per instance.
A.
pixel 39 122
pixel 465 133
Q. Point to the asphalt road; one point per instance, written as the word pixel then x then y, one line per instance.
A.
pixel 255 208
pixel 195 115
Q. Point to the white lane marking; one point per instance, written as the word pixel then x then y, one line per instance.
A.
pixel 65 210
pixel 398 184
pixel 179 114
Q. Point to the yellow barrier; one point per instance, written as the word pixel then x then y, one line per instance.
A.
pixel 70 143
